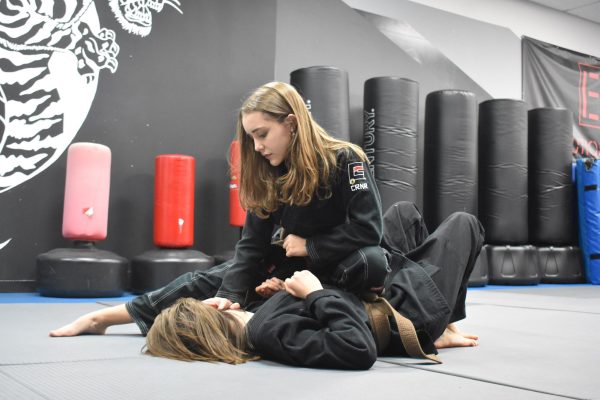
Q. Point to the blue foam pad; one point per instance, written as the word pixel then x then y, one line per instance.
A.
pixel 588 201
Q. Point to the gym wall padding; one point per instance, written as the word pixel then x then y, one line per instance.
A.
pixel 450 152
pixel 552 212
pixel 503 171
pixel 390 113
pixel 325 92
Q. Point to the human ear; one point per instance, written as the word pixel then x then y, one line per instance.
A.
pixel 292 121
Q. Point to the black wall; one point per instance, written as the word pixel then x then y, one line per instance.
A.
pixel 175 91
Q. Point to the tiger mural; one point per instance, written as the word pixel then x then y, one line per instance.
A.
pixel 51 54
pixel 42 105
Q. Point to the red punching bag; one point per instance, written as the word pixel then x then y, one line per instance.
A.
pixel 174 201
pixel 237 215
pixel 173 227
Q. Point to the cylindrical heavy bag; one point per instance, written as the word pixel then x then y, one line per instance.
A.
pixel 552 217
pixel 325 92
pixel 174 201
pixel 390 119
pixel 87 188
pixel 450 159
pixel 237 215
pixel 503 171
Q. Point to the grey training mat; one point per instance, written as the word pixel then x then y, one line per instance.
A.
pixel 533 342
pixel 13 390
pixel 24 337
pixel 581 298
pixel 144 378
pixel 536 343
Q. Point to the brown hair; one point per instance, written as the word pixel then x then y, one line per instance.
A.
pixel 311 160
pixel 190 330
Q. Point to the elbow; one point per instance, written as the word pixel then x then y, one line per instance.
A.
pixel 368 361
pixel 370 353
pixel 364 355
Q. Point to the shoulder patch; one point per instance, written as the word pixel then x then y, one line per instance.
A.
pixel 356 176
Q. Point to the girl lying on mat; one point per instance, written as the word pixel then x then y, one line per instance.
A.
pixel 304 325
pixel 318 193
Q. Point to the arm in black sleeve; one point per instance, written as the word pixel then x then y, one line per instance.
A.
pixel 245 273
pixel 364 224
pixel 328 332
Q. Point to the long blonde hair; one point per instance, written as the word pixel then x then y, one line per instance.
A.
pixel 311 159
pixel 189 330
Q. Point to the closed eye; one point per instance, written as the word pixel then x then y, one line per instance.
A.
pixel 261 134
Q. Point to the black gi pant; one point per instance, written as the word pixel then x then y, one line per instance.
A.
pixel 447 257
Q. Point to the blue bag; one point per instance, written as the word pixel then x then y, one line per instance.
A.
pixel 588 202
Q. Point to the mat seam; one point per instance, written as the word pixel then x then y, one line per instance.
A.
pixel 532 308
pixel 12 378
pixel 66 361
pixel 409 365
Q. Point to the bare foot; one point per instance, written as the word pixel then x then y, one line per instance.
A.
pixel 453 337
pixel 454 328
pixel 86 324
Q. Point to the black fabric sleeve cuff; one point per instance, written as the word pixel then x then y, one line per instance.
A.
pixel 318 294
pixel 139 321
pixel 234 298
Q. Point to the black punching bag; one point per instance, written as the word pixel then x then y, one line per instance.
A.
pixel 325 92
pixel 390 118
pixel 551 196
pixel 450 163
pixel 503 171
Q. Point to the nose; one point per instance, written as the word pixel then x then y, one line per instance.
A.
pixel 258 146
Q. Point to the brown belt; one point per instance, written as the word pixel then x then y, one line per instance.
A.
pixel 379 311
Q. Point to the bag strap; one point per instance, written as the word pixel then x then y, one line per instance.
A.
pixel 379 310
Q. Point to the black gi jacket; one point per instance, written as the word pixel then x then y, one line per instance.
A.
pixel 333 228
pixel 329 329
